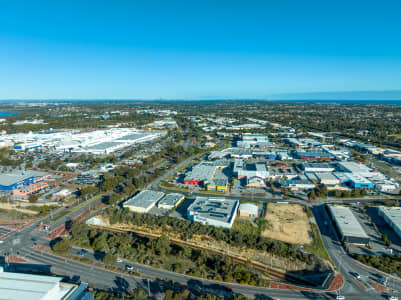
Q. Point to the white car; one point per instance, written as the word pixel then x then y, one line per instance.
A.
pixel 339 297
pixel 1 242
pixel 119 260
pixel 392 298
pixel 129 268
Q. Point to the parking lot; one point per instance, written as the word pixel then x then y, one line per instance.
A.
pixel 378 247
pixel 385 229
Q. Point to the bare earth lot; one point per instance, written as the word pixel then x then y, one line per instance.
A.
pixel 288 223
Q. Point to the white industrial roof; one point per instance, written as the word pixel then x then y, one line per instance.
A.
pixel 17 286
pixel 354 167
pixel 347 222
pixel 394 214
pixel 325 176
pixel 144 199
pixel 7 179
pixel 249 208
pixel 171 199
pixel 219 209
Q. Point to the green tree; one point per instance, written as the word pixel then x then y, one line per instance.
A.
pixel 33 198
pixel 62 246
pixel 109 259
pixel 312 195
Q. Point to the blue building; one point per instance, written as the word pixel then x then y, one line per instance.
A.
pixel 11 181
pixel 360 182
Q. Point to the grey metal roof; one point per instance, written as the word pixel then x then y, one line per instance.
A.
pixel 144 199
pixel 346 222
pixel 7 179
pixel 219 178
pixel 133 136
pixel 219 209
pixel 17 286
pixel 394 214
pixel 171 199
pixel 319 165
pixel 325 176
pixel 205 170
pixel 104 146
pixel 354 167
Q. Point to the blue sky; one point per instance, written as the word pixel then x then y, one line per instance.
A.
pixel 197 49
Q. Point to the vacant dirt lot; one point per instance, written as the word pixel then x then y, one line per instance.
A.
pixel 288 223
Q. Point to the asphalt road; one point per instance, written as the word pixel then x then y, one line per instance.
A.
pixel 346 265
pixel 19 243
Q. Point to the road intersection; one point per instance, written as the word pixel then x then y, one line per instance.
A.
pixel 20 243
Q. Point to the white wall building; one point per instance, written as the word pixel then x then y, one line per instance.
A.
pixel 219 212
pixel 392 216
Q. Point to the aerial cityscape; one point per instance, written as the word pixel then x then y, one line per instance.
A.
pixel 200 150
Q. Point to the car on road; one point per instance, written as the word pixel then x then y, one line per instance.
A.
pixel 356 275
pixel 382 281
pixel 1 242
pixel 228 289
pixel 340 297
pixel 392 298
pixel 119 260
pixel 82 252
pixel 129 268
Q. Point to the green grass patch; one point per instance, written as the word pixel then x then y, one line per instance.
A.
pixel 317 247
pixel 169 186
pixel 70 210
pixel 245 226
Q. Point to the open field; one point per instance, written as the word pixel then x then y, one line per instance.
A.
pixel 288 223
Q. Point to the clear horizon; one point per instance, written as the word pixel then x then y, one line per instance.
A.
pixel 208 50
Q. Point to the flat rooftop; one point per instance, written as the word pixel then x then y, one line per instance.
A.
pixel 104 146
pixel 133 136
pixel 171 199
pixel 319 165
pixel 325 176
pixel 258 166
pixel 17 286
pixel 144 199
pixel 7 179
pixel 394 214
pixel 219 209
pixel 354 167
pixel 347 222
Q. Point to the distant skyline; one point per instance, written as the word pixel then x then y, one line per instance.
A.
pixel 207 49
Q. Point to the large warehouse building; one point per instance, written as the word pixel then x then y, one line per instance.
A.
pixel 144 201
pixel 14 180
pixel 347 225
pixel 17 286
pixel 170 201
pixel 219 212
pixel 392 216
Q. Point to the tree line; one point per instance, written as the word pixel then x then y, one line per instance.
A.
pixel 157 252
pixel 187 229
